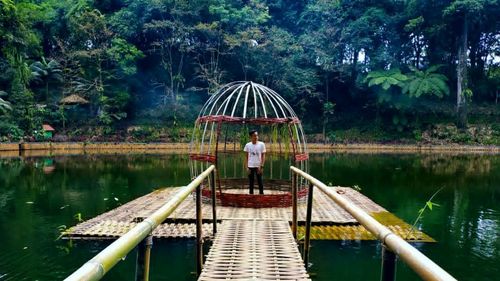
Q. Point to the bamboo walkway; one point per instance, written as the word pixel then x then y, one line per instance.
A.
pixel 329 221
pixel 254 249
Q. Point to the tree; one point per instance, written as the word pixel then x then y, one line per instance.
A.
pixel 279 62
pixel 416 40
pixel 209 53
pixel 244 25
pixel 45 72
pixel 103 58
pixel 125 56
pixel 19 40
pixel 494 77
pixel 328 110
pixel 426 82
pixel 464 11
pixel 90 40
pixel 170 40
pixel 388 86
pixel 21 96
pixel 238 16
pixel 135 57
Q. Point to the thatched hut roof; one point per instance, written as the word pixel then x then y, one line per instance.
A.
pixel 73 99
pixel 48 128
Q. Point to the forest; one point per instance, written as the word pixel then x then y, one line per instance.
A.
pixel 413 71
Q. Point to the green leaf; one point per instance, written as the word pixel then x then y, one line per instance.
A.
pixel 429 205
pixel 386 85
pixel 399 77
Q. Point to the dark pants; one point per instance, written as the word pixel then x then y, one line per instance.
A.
pixel 254 171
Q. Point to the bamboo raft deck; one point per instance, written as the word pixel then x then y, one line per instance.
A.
pixel 239 252
pixel 329 221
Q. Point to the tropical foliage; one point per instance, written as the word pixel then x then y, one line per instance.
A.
pixel 154 62
pixel 426 82
pixel 386 79
pixel 4 105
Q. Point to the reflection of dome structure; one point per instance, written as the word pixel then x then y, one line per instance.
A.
pixel 221 131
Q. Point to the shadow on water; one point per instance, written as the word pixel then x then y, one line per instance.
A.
pixel 38 195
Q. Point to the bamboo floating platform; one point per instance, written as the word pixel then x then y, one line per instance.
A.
pixel 329 221
pixel 240 252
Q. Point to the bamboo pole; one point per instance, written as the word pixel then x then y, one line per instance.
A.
pixel 214 202
pixel 307 238
pixel 143 259
pixel 294 206
pixel 98 266
pixel 388 267
pixel 199 232
pixel 422 265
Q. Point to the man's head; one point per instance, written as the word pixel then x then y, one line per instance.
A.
pixel 254 135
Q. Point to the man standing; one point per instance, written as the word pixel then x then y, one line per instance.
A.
pixel 255 158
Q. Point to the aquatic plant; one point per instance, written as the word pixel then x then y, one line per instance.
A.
pixel 429 204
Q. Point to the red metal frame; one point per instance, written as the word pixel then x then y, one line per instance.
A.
pixel 204 157
pixel 249 200
pixel 255 200
pixel 258 121
pixel 301 157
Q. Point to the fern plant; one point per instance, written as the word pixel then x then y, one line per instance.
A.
pixel 426 82
pixel 386 78
pixel 4 105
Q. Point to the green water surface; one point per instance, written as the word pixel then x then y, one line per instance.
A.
pixel 39 195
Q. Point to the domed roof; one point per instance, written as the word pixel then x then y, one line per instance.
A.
pixel 224 121
pixel 246 100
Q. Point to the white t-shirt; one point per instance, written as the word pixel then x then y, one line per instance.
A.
pixel 254 153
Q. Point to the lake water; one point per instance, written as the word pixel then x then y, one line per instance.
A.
pixel 39 195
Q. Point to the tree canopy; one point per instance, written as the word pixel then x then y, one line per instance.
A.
pixel 157 61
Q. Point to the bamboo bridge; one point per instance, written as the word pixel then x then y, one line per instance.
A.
pixel 251 243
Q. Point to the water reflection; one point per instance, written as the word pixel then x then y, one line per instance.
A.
pixel 463 164
pixel 485 242
pixel 466 225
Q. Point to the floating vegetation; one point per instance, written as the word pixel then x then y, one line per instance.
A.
pixel 78 217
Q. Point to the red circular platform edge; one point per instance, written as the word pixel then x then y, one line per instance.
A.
pixel 254 200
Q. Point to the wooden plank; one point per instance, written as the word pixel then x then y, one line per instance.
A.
pixel 115 222
pixel 240 252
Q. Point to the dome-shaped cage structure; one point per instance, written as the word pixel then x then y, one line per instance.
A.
pixel 221 131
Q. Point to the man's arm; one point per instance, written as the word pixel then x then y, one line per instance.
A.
pixel 263 158
pixel 245 164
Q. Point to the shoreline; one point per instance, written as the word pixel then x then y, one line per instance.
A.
pixel 71 148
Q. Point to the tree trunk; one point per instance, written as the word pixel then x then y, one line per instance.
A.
pixel 325 116
pixel 462 78
pixel 47 91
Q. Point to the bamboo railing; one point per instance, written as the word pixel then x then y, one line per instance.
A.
pixel 393 245
pixel 99 265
